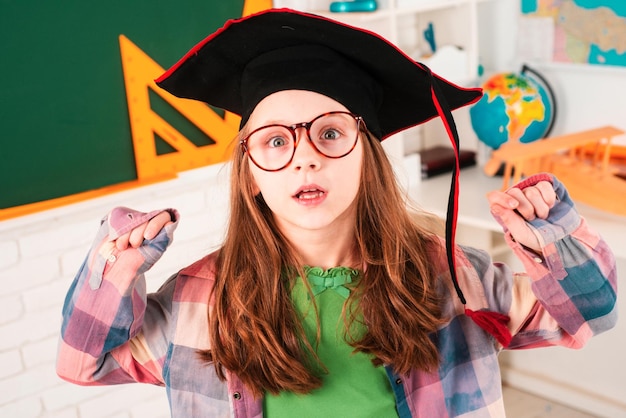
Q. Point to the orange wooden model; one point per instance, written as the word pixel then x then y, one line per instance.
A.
pixel 583 161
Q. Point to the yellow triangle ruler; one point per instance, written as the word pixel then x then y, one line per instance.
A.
pixel 139 73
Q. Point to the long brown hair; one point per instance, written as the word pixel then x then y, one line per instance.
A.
pixel 254 330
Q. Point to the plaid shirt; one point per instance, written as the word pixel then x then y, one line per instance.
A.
pixel 113 332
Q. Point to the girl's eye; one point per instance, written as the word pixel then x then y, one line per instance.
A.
pixel 331 134
pixel 276 142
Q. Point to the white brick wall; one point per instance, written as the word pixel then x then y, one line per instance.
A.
pixel 39 255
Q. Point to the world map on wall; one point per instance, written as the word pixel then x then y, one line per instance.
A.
pixel 585 31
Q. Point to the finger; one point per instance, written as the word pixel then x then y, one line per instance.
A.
pixel 503 206
pixel 524 206
pixel 541 197
pixel 501 200
pixel 156 224
pixel 548 193
pixel 122 241
pixel 537 201
pixel 136 236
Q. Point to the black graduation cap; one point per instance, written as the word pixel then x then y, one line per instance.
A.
pixel 281 49
pixel 285 48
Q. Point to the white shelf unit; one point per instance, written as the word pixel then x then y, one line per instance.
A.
pixel 403 22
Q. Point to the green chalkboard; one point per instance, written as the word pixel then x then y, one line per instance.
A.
pixel 63 111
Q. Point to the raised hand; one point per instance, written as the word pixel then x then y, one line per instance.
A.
pixel 516 206
pixel 147 230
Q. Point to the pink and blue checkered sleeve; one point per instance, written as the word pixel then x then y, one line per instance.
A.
pixel 573 280
pixel 111 331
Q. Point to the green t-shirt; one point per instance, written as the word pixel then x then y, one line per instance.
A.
pixel 352 386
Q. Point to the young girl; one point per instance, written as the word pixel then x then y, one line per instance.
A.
pixel 328 297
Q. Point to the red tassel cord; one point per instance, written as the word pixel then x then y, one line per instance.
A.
pixel 492 322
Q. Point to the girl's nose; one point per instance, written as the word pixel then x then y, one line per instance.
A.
pixel 305 156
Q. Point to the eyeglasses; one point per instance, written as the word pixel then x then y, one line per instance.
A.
pixel 332 134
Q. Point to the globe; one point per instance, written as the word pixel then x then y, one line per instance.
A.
pixel 514 107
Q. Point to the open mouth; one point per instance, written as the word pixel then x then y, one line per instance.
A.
pixel 309 194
